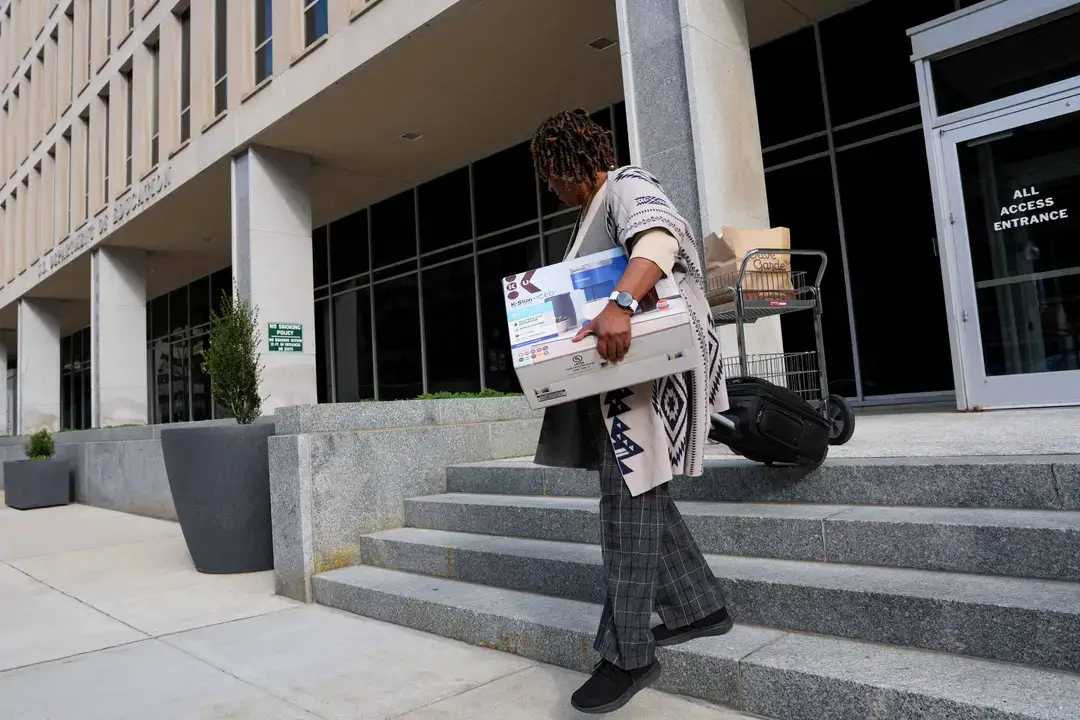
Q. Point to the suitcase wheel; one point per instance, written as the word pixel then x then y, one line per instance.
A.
pixel 841 419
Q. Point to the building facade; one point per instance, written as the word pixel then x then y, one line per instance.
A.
pixel 359 170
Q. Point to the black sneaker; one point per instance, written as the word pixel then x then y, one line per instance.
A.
pixel 716 624
pixel 610 688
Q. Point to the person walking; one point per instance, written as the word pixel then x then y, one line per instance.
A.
pixel 639 437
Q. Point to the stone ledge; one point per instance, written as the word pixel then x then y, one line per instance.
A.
pixel 329 488
pixel 339 417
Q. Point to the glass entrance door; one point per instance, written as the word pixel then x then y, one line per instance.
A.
pixel 1014 197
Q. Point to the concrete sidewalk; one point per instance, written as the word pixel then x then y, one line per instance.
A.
pixel 103 616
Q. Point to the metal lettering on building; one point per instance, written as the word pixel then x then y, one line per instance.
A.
pixel 113 216
pixel 286 337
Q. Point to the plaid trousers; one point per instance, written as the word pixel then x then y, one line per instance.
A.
pixel 650 561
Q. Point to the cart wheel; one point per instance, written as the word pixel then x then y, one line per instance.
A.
pixel 841 420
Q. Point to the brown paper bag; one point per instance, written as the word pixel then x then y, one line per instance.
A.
pixel 768 276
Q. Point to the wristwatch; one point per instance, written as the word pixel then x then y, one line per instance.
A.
pixel 625 301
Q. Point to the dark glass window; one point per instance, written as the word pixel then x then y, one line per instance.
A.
pixel 320 267
pixel 178 316
pixel 1023 61
pixel 181 366
pixel 323 333
pixel 453 365
pixel 393 229
pixel 495 265
pixel 867 56
pixel 505 189
pixel 200 302
pixel 159 311
pixel 787 83
pixel 445 213
pixel 202 403
pixel 353 361
pixel 161 381
pixel 397 327
pixel 622 136
pixel 349 246
pixel 880 250
pixel 66 366
pixel 77 398
pixel 556 244
pixel 801 197
pixel 179 322
pixel 221 283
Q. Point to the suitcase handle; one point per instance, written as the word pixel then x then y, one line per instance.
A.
pixel 724 420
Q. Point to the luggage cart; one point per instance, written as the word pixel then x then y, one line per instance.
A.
pixel 746 296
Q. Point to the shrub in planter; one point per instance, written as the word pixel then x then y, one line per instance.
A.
pixel 39 481
pixel 219 476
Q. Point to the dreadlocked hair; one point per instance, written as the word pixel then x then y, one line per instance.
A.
pixel 571 146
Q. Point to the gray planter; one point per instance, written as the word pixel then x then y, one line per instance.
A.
pixel 220 483
pixel 31 484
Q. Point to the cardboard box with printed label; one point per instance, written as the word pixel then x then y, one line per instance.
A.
pixel 545 309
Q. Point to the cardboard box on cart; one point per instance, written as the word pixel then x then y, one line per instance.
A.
pixel 545 309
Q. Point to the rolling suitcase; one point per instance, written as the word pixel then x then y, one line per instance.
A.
pixel 770 424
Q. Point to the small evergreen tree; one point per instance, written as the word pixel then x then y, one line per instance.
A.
pixel 232 359
pixel 40 446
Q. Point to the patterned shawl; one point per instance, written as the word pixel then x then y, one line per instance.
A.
pixel 659 429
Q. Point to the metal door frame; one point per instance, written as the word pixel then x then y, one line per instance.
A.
pixel 1023 390
pixel 945 36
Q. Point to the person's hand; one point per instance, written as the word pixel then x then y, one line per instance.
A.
pixel 612 330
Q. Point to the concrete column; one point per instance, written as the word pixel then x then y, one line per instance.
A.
pixel 117 337
pixel 5 418
pixel 271 258
pixel 692 119
pixel 39 366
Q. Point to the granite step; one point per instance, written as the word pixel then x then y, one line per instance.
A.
pixel 1016 543
pixel 1030 482
pixel 769 673
pixel 1035 622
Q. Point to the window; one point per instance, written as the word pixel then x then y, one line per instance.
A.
pixel 315 24
pixel 155 105
pixel 393 231
pixel 131 14
pixel 75 381
pixel 69 146
pixel 108 149
pixel 397 328
pixel 264 40
pixel 71 52
pixel 178 326
pixel 129 109
pixel 451 289
pixel 221 56
pixel 108 27
pixel 185 75
pixel 86 166
pixel 352 346
pixel 89 39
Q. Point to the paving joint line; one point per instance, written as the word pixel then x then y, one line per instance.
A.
pixel 128 625
pixel 530 666
pixel 249 683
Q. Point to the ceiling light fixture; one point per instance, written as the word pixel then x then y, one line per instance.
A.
pixel 602 43
pixel 411 136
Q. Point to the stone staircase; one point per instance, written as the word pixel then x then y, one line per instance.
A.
pixel 885 589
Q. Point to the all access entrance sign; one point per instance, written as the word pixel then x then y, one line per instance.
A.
pixel 286 337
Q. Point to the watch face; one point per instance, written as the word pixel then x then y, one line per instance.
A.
pixel 625 300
